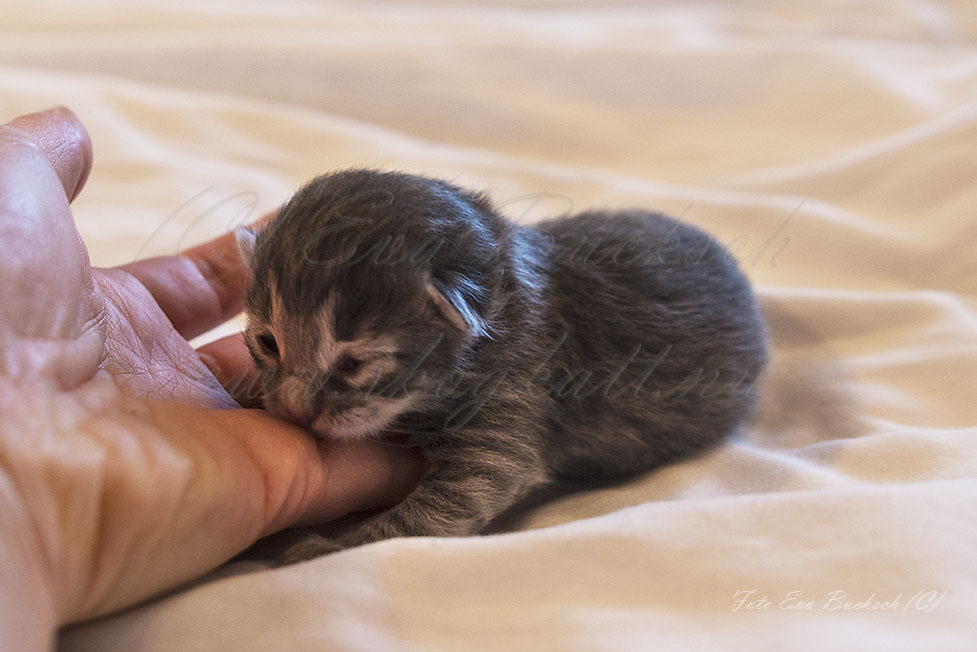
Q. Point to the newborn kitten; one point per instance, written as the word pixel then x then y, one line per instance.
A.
pixel 393 306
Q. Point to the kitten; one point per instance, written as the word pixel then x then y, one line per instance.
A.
pixel 393 306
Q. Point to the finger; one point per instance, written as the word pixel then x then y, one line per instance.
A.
pixel 302 487
pixel 63 140
pixel 201 288
pixel 231 363
pixel 361 475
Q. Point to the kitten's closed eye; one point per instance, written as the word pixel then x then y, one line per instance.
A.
pixel 268 345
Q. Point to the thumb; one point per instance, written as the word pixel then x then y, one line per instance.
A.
pixel 62 139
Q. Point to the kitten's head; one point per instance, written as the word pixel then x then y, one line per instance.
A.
pixel 368 290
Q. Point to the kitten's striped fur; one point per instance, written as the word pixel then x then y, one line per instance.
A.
pixel 597 345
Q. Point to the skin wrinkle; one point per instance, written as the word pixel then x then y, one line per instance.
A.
pixel 148 355
pixel 96 326
pixel 114 338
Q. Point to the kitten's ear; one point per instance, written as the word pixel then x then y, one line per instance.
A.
pixel 246 238
pixel 452 304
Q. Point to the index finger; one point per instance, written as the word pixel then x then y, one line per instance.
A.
pixel 202 287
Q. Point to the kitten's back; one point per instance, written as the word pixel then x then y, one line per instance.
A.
pixel 668 326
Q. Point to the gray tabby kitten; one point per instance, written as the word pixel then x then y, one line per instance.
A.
pixel 404 308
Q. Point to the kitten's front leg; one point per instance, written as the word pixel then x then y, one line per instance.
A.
pixel 464 488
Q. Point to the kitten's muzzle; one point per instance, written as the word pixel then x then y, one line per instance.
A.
pixel 295 402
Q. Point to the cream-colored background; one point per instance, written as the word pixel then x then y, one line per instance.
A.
pixel 831 144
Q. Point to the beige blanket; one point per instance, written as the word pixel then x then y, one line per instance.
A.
pixel 832 145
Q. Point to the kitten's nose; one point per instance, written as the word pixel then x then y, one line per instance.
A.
pixel 302 416
pixel 296 402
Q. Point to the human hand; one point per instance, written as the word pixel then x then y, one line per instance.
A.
pixel 125 466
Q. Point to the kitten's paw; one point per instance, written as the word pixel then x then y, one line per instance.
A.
pixel 310 548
